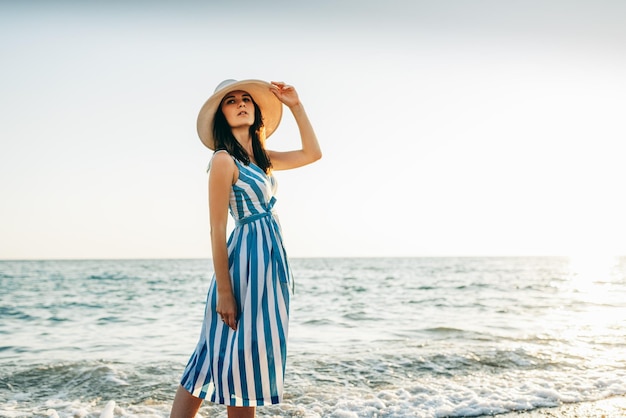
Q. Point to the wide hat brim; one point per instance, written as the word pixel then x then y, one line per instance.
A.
pixel 271 107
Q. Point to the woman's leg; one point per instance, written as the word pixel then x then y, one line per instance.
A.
pixel 185 405
pixel 241 411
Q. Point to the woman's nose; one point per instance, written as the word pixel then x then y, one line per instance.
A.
pixel 242 103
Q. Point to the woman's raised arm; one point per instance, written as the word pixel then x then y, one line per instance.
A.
pixel 310 151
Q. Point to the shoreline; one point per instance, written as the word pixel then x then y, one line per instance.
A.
pixel 613 407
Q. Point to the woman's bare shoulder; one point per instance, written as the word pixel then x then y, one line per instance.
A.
pixel 221 160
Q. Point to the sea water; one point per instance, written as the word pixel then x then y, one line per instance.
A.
pixel 388 337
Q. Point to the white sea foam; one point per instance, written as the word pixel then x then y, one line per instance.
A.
pixel 107 412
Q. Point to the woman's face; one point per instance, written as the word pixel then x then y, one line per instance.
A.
pixel 238 109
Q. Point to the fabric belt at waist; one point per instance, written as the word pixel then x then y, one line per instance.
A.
pixel 256 216
pixel 252 218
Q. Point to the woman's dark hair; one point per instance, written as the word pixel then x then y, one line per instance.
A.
pixel 224 139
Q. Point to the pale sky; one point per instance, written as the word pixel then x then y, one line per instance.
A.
pixel 448 127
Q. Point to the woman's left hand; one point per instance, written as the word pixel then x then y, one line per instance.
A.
pixel 285 93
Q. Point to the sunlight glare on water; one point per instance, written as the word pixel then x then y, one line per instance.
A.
pixel 594 303
pixel 588 269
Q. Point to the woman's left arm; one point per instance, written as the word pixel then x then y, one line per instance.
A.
pixel 310 151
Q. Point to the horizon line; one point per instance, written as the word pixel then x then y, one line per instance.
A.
pixel 315 257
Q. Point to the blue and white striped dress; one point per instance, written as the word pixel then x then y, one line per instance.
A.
pixel 246 367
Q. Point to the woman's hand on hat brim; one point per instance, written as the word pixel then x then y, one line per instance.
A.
pixel 285 93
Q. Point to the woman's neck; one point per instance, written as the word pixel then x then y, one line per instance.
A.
pixel 245 140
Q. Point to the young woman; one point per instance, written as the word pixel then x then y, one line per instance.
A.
pixel 240 358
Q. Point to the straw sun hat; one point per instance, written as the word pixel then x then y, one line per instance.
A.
pixel 271 107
